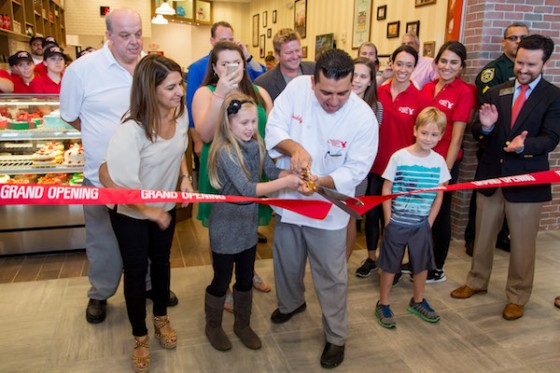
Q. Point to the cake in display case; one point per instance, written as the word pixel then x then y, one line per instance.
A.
pixel 38 147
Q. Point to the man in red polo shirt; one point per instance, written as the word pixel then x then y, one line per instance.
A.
pixel 22 67
pixel 50 83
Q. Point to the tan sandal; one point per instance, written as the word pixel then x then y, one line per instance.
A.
pixel 167 340
pixel 557 302
pixel 141 363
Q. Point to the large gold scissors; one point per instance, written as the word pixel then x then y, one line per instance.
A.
pixel 338 199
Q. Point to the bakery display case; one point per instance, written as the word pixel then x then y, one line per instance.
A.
pixel 38 147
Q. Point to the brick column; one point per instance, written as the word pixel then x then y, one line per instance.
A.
pixel 485 21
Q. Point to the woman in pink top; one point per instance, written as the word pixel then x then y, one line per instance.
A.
pixel 456 99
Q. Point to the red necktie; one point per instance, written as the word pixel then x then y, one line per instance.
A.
pixel 518 104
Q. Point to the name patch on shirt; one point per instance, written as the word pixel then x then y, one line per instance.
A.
pixel 506 91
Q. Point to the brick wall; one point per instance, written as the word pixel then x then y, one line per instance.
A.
pixel 485 21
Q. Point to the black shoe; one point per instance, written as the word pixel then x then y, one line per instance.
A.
pixel 332 356
pixel 503 244
pixel 262 238
pixel 397 279
pixel 406 268
pixel 367 268
pixel 469 247
pixel 96 311
pixel 173 300
pixel 278 317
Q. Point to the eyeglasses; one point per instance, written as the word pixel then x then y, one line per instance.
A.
pixel 516 37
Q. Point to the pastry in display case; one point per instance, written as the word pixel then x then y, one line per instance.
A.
pixel 38 147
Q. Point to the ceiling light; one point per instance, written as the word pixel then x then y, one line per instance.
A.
pixel 159 20
pixel 165 9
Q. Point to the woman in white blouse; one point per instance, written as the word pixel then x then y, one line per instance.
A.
pixel 147 152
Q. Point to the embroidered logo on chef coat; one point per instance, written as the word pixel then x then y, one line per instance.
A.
pixel 446 103
pixel 406 110
pixel 298 118
pixel 335 147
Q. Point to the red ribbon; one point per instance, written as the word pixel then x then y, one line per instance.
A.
pixel 38 194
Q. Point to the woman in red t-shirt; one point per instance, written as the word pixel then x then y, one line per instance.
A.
pixel 455 98
pixel 401 103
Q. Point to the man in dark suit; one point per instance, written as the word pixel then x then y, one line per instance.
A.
pixel 519 124
pixel 496 72
pixel 287 48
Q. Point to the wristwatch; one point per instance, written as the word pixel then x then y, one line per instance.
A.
pixel 250 59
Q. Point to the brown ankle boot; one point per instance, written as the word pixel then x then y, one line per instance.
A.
pixel 243 302
pixel 214 309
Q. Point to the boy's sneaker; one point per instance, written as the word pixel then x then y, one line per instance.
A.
pixel 385 316
pixel 436 275
pixel 406 268
pixel 367 268
pixel 423 310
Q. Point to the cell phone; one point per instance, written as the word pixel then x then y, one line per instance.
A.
pixel 231 68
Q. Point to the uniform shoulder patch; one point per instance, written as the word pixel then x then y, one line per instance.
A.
pixel 487 75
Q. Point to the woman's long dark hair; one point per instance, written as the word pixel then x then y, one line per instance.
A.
pixel 370 95
pixel 150 72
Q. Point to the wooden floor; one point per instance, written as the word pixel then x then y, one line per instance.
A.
pixel 44 328
pixel 190 248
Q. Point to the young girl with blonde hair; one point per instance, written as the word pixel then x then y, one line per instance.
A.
pixel 236 161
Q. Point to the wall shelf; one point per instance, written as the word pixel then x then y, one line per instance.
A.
pixel 33 18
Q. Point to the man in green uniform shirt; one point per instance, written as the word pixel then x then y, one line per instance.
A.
pixel 501 69
pixel 496 72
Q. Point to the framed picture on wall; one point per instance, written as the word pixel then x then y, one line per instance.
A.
pixel 429 49
pixel 262 44
pixel 418 3
pixel 269 33
pixel 203 12
pixel 274 16
pixel 184 10
pixel 393 29
pixel 381 12
pixel 265 18
pixel 413 27
pixel 300 17
pixel 454 22
pixel 256 30
pixel 362 22
pixel 384 60
pixel 322 43
pixel 304 52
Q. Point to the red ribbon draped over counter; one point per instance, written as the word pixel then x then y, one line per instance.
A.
pixel 37 194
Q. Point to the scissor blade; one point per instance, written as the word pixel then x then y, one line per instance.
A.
pixel 341 197
pixel 340 204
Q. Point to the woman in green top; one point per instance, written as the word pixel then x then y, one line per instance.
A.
pixel 225 74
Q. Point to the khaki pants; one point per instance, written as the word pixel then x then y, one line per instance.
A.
pixel 523 220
